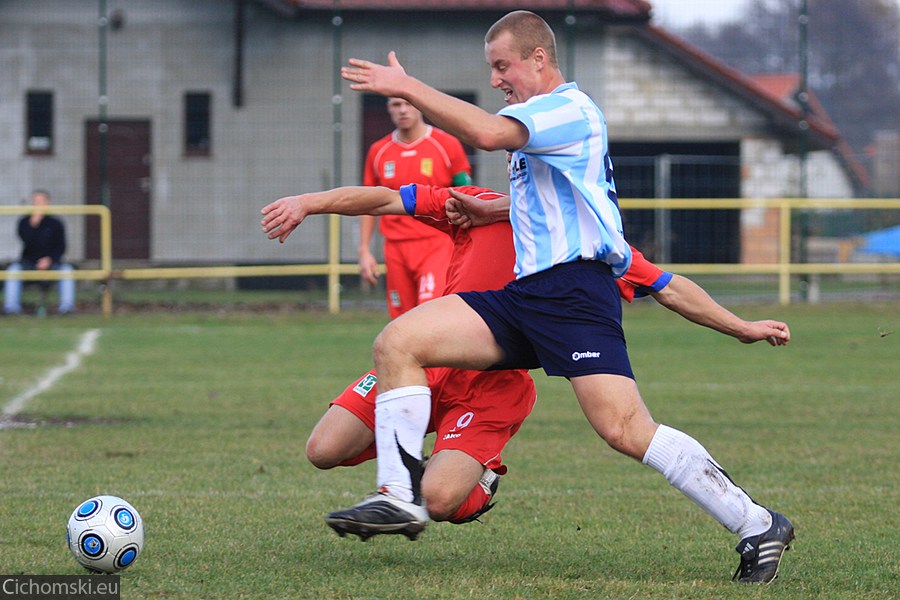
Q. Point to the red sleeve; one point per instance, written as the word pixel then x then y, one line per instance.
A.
pixel 459 162
pixel 370 174
pixel 431 201
pixel 642 277
pixel 430 207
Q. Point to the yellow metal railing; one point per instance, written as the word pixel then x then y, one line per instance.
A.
pixel 104 273
pixel 333 269
pixel 784 268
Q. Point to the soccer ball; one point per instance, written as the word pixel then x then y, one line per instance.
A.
pixel 105 534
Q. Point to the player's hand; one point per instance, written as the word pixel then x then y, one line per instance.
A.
pixel 457 213
pixel 368 267
pixel 365 76
pixel 774 332
pixel 466 211
pixel 283 216
pixel 43 263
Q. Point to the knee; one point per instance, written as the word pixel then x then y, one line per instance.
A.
pixel 615 436
pixel 440 502
pixel 628 437
pixel 380 348
pixel 391 343
pixel 385 342
pixel 320 453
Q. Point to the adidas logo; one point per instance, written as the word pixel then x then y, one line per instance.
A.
pixel 748 547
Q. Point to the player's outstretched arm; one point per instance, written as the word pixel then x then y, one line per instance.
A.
pixel 693 303
pixel 284 215
pixel 466 121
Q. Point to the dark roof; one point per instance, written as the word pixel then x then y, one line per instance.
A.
pixel 610 10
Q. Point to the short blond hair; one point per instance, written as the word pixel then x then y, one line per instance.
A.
pixel 529 32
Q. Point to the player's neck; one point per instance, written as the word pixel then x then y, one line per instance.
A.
pixel 412 134
pixel 554 80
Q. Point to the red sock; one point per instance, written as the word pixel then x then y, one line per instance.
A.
pixel 474 502
pixel 367 454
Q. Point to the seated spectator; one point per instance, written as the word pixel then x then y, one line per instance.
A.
pixel 44 243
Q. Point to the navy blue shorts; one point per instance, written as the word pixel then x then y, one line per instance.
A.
pixel 567 319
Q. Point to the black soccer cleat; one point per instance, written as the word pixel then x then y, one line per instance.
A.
pixel 380 513
pixel 761 554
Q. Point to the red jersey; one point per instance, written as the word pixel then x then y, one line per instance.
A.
pixel 434 159
pixel 484 257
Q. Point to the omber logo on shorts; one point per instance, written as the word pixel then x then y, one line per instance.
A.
pixel 365 385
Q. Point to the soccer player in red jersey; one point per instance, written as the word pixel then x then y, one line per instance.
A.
pixel 415 255
pixel 474 413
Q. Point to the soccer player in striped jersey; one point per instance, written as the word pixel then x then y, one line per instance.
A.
pixel 474 413
pixel 562 313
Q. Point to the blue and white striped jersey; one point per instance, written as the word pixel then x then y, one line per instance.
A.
pixel 564 205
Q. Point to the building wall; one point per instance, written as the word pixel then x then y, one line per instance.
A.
pixel 648 96
pixel 886 167
pixel 282 140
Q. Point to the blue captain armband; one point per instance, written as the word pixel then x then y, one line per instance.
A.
pixel 408 196
pixel 644 291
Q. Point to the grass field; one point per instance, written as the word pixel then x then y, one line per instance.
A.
pixel 200 421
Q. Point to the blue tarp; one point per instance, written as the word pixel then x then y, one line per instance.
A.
pixel 883 241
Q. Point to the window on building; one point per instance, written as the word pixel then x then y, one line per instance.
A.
pixel 39 125
pixel 197 124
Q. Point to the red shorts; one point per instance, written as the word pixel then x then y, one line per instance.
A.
pixel 416 272
pixel 475 412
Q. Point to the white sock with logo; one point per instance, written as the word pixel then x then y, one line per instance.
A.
pixel 401 419
pixel 687 465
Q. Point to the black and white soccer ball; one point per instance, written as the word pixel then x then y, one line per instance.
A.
pixel 105 534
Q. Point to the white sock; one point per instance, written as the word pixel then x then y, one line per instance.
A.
pixel 687 465
pixel 401 419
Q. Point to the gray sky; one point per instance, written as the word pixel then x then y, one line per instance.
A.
pixel 680 13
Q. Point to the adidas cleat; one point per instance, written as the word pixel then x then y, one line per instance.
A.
pixel 761 554
pixel 380 513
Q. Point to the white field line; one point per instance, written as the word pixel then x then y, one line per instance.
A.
pixel 84 348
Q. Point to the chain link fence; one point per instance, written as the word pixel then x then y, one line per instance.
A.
pixel 185 118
